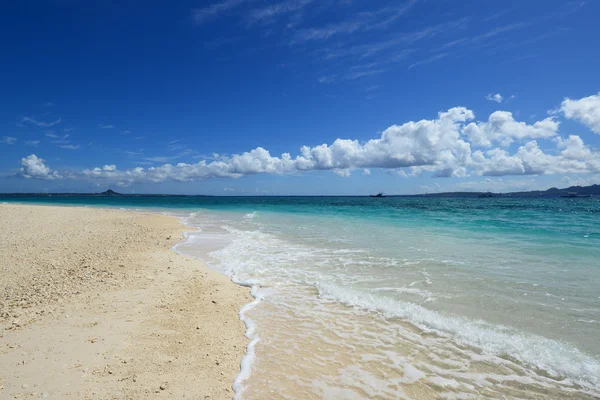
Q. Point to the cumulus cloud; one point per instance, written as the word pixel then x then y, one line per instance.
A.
pixel 529 159
pixel 503 129
pixel 495 97
pixel 451 145
pixel 585 111
pixel 434 143
pixel 35 167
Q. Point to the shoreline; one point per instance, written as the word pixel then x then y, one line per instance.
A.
pixel 98 303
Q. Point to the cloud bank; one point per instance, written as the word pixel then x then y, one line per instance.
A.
pixel 452 145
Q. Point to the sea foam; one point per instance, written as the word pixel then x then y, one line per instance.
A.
pixel 559 360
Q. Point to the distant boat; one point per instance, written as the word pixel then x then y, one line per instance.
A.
pixel 380 194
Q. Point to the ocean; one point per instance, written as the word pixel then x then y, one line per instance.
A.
pixel 403 297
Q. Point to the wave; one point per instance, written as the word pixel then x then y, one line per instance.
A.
pixel 249 357
pixel 559 360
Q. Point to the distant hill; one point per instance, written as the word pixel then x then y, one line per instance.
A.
pixel 573 191
pixel 593 190
pixel 110 192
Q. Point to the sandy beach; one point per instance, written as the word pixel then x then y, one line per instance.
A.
pixel 95 304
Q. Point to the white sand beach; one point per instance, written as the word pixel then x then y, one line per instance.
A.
pixel 95 304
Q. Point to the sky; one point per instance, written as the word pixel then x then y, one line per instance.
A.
pixel 299 97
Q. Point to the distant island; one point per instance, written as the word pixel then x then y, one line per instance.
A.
pixel 571 192
pixel 110 192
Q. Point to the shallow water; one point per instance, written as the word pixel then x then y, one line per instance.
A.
pixel 407 297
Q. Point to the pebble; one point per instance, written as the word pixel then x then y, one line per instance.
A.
pixel 162 387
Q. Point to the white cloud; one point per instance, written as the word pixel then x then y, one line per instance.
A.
pixel 495 97
pixel 585 111
pixel 32 142
pixel 342 172
pixel 159 159
pixel 202 15
pixel 363 21
pixel 69 146
pixel 503 129
pixel 327 79
pixel 58 139
pixel 442 147
pixel 270 12
pixel 34 167
pixel 428 60
pixel 8 140
pixel 529 159
pixel 427 143
pixel 41 124
pixel 102 126
pixel 328 31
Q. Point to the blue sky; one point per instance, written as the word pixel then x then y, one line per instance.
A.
pixel 407 96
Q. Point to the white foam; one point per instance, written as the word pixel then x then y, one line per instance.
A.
pixel 249 357
pixel 556 358
pixel 411 374
pixel 438 380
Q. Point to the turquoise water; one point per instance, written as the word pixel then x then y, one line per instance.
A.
pixel 404 297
